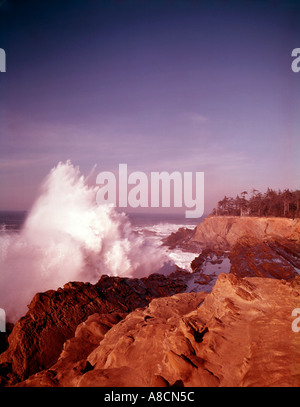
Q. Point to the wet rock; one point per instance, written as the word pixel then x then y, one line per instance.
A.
pixel 207 255
pixel 181 238
pixel 250 257
pixel 287 249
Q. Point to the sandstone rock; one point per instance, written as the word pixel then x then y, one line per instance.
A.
pixel 251 257
pixel 288 249
pixel 250 341
pixel 131 355
pixel 72 361
pixel 222 232
pixel 130 332
pixel 228 341
pixel 238 335
pixel 37 338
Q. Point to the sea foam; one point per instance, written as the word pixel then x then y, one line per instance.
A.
pixel 67 236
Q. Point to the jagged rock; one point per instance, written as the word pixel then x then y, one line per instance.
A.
pixel 250 257
pixel 142 337
pixel 238 335
pixel 72 363
pixel 181 238
pixel 288 249
pixel 37 338
pixel 198 261
pixel 207 255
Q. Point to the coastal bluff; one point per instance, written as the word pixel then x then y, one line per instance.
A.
pixel 223 232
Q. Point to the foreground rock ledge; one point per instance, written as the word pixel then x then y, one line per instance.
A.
pixel 37 338
pixel 238 335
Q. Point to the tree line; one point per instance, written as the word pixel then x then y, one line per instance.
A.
pixel 271 203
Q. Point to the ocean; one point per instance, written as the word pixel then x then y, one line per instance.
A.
pixel 152 226
pixel 159 226
pixel 12 220
pixel 48 247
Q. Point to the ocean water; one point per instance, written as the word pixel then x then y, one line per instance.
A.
pixel 12 220
pixel 159 226
pixel 31 261
pixel 151 226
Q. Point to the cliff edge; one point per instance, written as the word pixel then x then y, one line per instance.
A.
pixel 223 232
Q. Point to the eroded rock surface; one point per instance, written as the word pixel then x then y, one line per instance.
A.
pixel 238 335
pixel 146 332
pixel 37 338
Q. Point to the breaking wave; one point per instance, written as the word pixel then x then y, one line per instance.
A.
pixel 67 236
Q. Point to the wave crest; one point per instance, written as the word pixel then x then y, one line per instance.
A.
pixel 67 236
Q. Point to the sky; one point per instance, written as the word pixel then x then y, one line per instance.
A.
pixel 200 86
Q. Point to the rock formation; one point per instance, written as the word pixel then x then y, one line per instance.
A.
pixel 222 232
pixel 164 331
pixel 262 247
pixel 238 335
pixel 37 338
pixel 181 238
pixel 251 257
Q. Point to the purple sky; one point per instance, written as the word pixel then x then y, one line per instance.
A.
pixel 159 85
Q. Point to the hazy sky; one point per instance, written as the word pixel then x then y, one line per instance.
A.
pixel 160 85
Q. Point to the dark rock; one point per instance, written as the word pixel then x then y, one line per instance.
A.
pixel 4 337
pixel 251 257
pixel 181 238
pixel 207 255
pixel 288 249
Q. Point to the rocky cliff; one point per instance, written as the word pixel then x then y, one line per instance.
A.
pixel 222 232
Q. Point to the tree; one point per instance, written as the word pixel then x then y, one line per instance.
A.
pixel 243 204
pixel 270 203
